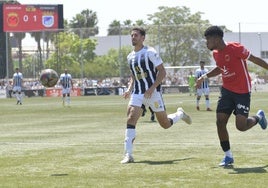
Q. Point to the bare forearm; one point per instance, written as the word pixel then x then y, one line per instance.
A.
pixel 258 61
pixel 214 72
pixel 130 84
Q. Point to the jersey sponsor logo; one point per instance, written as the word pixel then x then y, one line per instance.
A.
pixel 141 75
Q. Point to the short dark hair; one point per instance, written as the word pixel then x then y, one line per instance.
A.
pixel 214 31
pixel 140 29
pixel 202 62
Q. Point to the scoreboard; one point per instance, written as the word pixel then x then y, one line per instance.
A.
pixel 25 18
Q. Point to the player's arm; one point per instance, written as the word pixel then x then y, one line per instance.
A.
pixel 130 88
pixel 258 61
pixel 61 83
pixel 72 84
pixel 214 72
pixel 22 83
pixel 161 74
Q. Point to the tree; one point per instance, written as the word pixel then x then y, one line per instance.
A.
pixel 71 52
pixel 178 34
pixel 116 28
pixel 20 36
pixel 37 37
pixel 85 23
pixel 47 37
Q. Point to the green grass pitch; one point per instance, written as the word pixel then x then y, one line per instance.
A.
pixel 46 145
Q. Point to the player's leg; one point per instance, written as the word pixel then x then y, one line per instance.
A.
pixel 206 93
pixel 243 122
pixel 198 97
pixel 224 110
pixel 63 97
pixel 68 99
pixel 223 135
pixel 134 111
pixel 143 110
pixel 152 114
pixel 68 96
pixel 166 121
pixel 16 95
pixel 20 97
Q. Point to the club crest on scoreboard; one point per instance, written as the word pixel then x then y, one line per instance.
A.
pixel 12 19
pixel 48 20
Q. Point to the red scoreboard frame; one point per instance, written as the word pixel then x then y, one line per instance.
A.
pixel 25 18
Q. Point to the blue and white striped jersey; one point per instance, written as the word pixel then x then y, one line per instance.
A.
pixel 143 68
pixel 65 80
pixel 198 73
pixel 17 79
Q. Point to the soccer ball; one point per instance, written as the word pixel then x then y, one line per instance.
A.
pixel 49 77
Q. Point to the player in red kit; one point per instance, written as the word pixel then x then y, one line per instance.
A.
pixel 231 62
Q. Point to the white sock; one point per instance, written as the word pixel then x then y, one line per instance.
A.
pixel 197 102
pixel 228 153
pixel 175 116
pixel 207 104
pixel 130 135
pixel 68 100
pixel 17 96
pixel 20 97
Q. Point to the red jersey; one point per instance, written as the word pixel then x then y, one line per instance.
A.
pixel 232 62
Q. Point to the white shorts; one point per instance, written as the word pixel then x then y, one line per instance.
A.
pixel 155 102
pixel 16 89
pixel 66 90
pixel 201 91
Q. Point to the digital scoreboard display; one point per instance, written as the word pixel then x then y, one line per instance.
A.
pixel 25 18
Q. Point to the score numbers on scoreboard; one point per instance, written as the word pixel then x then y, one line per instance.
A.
pixel 23 18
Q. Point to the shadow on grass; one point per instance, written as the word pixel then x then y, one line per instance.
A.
pixel 162 162
pixel 59 174
pixel 260 169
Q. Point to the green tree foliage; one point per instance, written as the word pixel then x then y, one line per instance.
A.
pixel 20 36
pixel 85 23
pixel 37 37
pixel 110 65
pixel 178 35
pixel 48 36
pixel 71 52
pixel 116 28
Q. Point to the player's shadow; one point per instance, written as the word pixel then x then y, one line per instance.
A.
pixel 162 162
pixel 255 170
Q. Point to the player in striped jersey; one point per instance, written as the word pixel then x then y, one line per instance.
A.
pixel 66 84
pixel 17 85
pixel 147 73
pixel 204 87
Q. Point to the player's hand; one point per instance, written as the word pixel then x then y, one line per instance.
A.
pixel 126 94
pixel 148 93
pixel 198 83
